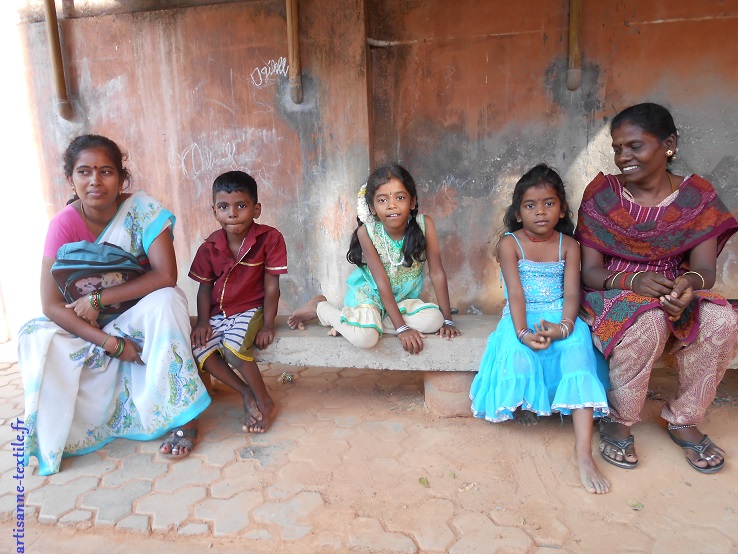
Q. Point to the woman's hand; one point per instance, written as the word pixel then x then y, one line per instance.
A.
pixel 448 332
pixel 412 340
pixel 84 310
pixel 649 283
pixel 131 353
pixel 676 301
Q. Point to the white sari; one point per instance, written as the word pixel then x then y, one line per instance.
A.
pixel 77 399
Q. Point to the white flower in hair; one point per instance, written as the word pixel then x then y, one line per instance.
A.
pixel 362 207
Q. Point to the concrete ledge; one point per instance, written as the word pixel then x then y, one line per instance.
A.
pixel 448 365
pixel 313 347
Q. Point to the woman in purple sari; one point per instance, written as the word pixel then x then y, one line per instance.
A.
pixel 650 241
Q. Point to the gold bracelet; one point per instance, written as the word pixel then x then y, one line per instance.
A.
pixel 698 275
pixel 632 279
pixel 612 280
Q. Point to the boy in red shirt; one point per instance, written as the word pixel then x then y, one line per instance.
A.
pixel 238 268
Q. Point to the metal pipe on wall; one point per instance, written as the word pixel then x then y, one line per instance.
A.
pixel 64 108
pixel 293 52
pixel 574 72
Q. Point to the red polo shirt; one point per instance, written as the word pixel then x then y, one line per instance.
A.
pixel 238 284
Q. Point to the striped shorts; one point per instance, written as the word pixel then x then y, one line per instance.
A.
pixel 235 333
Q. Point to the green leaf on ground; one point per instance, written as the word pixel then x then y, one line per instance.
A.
pixel 637 506
pixel 424 481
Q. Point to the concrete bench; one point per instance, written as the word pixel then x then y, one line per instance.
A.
pixel 448 367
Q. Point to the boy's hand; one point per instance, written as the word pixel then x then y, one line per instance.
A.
pixel 264 337
pixel 200 335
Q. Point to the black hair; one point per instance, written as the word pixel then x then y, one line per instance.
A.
pixel 652 118
pixel 414 246
pixel 87 142
pixel 236 181
pixel 540 175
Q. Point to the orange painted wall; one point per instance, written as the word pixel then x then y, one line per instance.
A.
pixel 467 94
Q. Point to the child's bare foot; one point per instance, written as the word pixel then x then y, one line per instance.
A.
pixel 525 417
pixel 333 332
pixel 251 409
pixel 267 410
pixel 590 475
pixel 304 313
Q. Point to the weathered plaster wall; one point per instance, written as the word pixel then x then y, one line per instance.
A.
pixel 467 94
pixel 193 92
pixel 470 94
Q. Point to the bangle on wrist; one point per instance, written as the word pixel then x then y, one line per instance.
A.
pixel 522 333
pixel 402 329
pixel 612 279
pixel 449 323
pixel 623 279
pixel 698 275
pixel 102 344
pixel 118 348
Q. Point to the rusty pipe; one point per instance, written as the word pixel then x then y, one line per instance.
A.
pixel 293 52
pixel 574 72
pixel 63 107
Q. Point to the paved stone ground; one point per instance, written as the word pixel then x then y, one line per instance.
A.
pixel 355 463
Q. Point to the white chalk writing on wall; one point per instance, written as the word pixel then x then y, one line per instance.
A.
pixel 266 74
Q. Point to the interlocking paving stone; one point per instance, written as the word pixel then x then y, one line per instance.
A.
pixel 113 504
pixel 268 455
pixel 169 509
pixel 367 533
pixel 186 472
pixel 76 516
pixel 292 517
pixel 222 452
pixel 135 522
pixel 479 534
pixel 194 529
pixel 89 465
pixel 283 489
pixel 119 449
pixel 239 476
pixel 327 455
pixel 228 515
pixel 339 417
pixel 427 523
pixel 137 466
pixel 54 501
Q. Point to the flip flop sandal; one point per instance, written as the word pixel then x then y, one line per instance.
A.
pixel 700 448
pixel 619 447
pixel 180 438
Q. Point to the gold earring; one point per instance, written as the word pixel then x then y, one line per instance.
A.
pixel 669 152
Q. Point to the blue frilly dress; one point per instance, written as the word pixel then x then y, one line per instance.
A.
pixel 569 374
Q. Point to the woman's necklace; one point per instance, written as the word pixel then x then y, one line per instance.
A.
pixel 531 239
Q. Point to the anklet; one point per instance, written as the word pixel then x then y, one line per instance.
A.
pixel 677 427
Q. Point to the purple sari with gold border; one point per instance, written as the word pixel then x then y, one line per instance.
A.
pixel 634 238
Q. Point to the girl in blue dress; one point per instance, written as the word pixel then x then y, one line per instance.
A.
pixel 540 359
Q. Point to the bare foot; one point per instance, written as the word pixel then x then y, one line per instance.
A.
pixel 268 410
pixel 616 444
pixel 590 475
pixel 251 409
pixel 304 313
pixel 525 417
pixel 333 332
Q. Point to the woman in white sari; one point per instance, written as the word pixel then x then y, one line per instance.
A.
pixel 90 379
